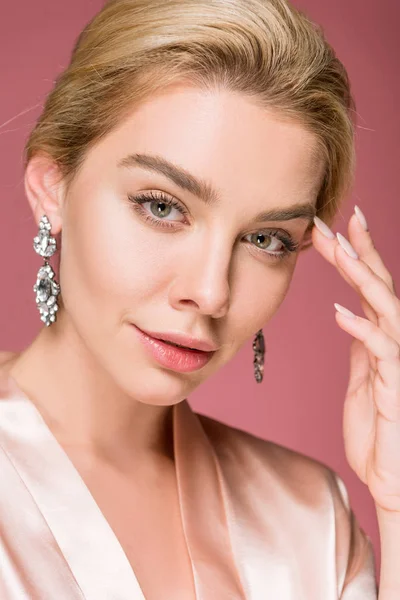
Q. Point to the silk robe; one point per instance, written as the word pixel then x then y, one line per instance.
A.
pixel 262 522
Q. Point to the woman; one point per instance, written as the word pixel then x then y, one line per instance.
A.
pixel 179 167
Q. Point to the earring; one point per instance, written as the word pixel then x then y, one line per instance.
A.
pixel 259 351
pixel 46 288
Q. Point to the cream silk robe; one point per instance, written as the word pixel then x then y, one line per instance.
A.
pixel 262 522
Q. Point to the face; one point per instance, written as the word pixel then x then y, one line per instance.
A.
pixel 162 232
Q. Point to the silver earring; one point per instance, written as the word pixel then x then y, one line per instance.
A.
pixel 259 351
pixel 46 288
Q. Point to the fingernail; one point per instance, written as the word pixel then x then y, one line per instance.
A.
pixel 345 311
pixel 360 216
pixel 346 246
pixel 323 228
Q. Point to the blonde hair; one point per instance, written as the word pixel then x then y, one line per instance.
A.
pixel 265 49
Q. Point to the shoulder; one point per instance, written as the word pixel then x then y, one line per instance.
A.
pixel 266 469
pixel 243 449
pixel 274 483
pixel 287 496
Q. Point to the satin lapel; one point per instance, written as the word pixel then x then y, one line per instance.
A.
pixel 203 510
pixel 88 544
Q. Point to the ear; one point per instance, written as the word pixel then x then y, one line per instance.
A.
pixel 44 187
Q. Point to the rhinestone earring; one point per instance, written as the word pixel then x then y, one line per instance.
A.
pixel 259 351
pixel 46 288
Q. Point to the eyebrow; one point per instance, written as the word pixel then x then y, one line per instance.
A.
pixel 205 192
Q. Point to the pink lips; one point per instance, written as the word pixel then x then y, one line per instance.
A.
pixel 182 340
pixel 179 359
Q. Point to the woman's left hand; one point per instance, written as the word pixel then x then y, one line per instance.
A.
pixel 371 422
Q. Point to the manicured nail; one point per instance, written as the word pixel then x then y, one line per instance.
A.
pixel 346 246
pixel 323 228
pixel 345 311
pixel 360 216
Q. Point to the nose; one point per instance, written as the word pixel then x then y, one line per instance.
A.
pixel 202 281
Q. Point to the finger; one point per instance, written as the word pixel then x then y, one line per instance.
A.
pixel 359 408
pixel 372 288
pixel 361 240
pixel 325 243
pixel 387 353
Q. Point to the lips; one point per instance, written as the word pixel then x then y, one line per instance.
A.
pixel 181 340
pixel 176 345
pixel 173 355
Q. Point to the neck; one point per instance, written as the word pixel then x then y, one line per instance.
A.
pixel 83 406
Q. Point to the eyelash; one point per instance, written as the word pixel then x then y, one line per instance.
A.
pixel 289 244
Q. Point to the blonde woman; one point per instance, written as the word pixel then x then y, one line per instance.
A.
pixel 178 169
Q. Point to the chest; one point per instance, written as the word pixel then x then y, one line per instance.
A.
pixel 145 516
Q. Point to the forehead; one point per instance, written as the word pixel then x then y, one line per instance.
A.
pixel 222 137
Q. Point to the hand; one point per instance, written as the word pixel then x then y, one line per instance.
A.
pixel 371 422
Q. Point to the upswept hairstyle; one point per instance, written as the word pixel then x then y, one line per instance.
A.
pixel 265 49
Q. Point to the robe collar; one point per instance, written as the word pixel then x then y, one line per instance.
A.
pixel 77 528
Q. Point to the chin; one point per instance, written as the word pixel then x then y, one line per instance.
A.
pixel 155 386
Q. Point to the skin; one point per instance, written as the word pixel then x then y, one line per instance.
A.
pixel 109 403
pixel 88 373
pixel 105 399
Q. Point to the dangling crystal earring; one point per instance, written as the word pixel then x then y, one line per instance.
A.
pixel 259 351
pixel 46 288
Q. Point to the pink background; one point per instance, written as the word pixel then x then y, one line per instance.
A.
pixel 300 402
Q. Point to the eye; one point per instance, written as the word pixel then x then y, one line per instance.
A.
pixel 275 244
pixel 160 207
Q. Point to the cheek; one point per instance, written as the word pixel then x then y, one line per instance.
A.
pixel 262 291
pixel 108 258
pixel 257 294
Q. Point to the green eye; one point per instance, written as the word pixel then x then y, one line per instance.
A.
pixel 163 212
pixel 279 243
pixel 160 206
pixel 261 238
pixel 282 244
